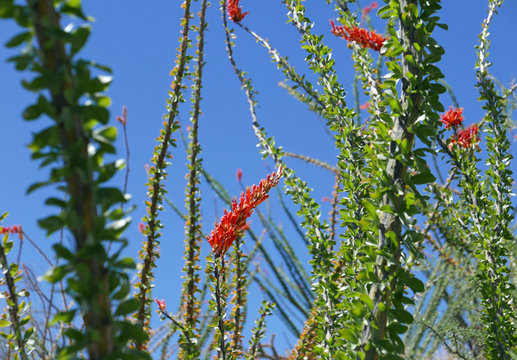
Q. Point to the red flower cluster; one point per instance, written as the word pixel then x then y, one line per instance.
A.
pixel 238 175
pixel 363 37
pixel 466 138
pixel 234 222
pixel 235 11
pixel 15 229
pixel 367 9
pixel 452 118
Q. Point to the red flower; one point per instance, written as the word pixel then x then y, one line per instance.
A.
pixel 238 174
pixel 363 37
pixel 234 222
pixel 466 138
pixel 367 9
pixel 141 227
pixel 469 136
pixel 452 118
pixel 235 11
pixel 364 106
pixel 161 304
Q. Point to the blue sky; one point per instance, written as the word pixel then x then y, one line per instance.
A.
pixel 138 41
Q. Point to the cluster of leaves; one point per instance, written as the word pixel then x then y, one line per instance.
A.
pixel 71 94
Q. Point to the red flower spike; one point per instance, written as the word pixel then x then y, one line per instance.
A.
pixel 15 229
pixel 452 118
pixel 233 222
pixel 238 175
pixel 235 11
pixel 363 37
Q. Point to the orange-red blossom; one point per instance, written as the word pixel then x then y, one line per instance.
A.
pixel 452 118
pixel 235 11
pixel 234 222
pixel 363 37
pixel 161 304
pixel 466 138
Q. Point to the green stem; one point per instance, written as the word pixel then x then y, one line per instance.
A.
pixel 217 275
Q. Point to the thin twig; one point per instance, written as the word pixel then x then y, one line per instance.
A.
pixel 313 161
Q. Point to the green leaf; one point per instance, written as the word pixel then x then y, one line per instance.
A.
pixel 366 299
pixel 370 208
pixel 56 273
pixel 104 101
pixel 32 112
pixel 132 331
pixel 382 306
pixel 19 39
pixel 348 334
pixel 415 284
pixel 51 223
pixel 127 307
pixel 122 292
pixel 126 263
pixel 4 323
pixel 423 178
pixel 6 9
pixel 73 334
pixel 111 195
pixel 438 88
pixel 73 7
pixel 402 315
pixel 80 36
pixel 55 202
pixel 28 333
pixel 106 134
pixel 413 9
pixel 37 186
pixel 8 245
pixel 21 61
pixel 92 112
pixel 63 252
pixel 397 328
pixel 64 316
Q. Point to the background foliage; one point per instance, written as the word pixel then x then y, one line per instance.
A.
pixel 412 260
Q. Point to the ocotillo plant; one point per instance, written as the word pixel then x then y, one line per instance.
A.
pixel 408 262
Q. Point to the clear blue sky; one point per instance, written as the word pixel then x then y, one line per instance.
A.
pixel 138 41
